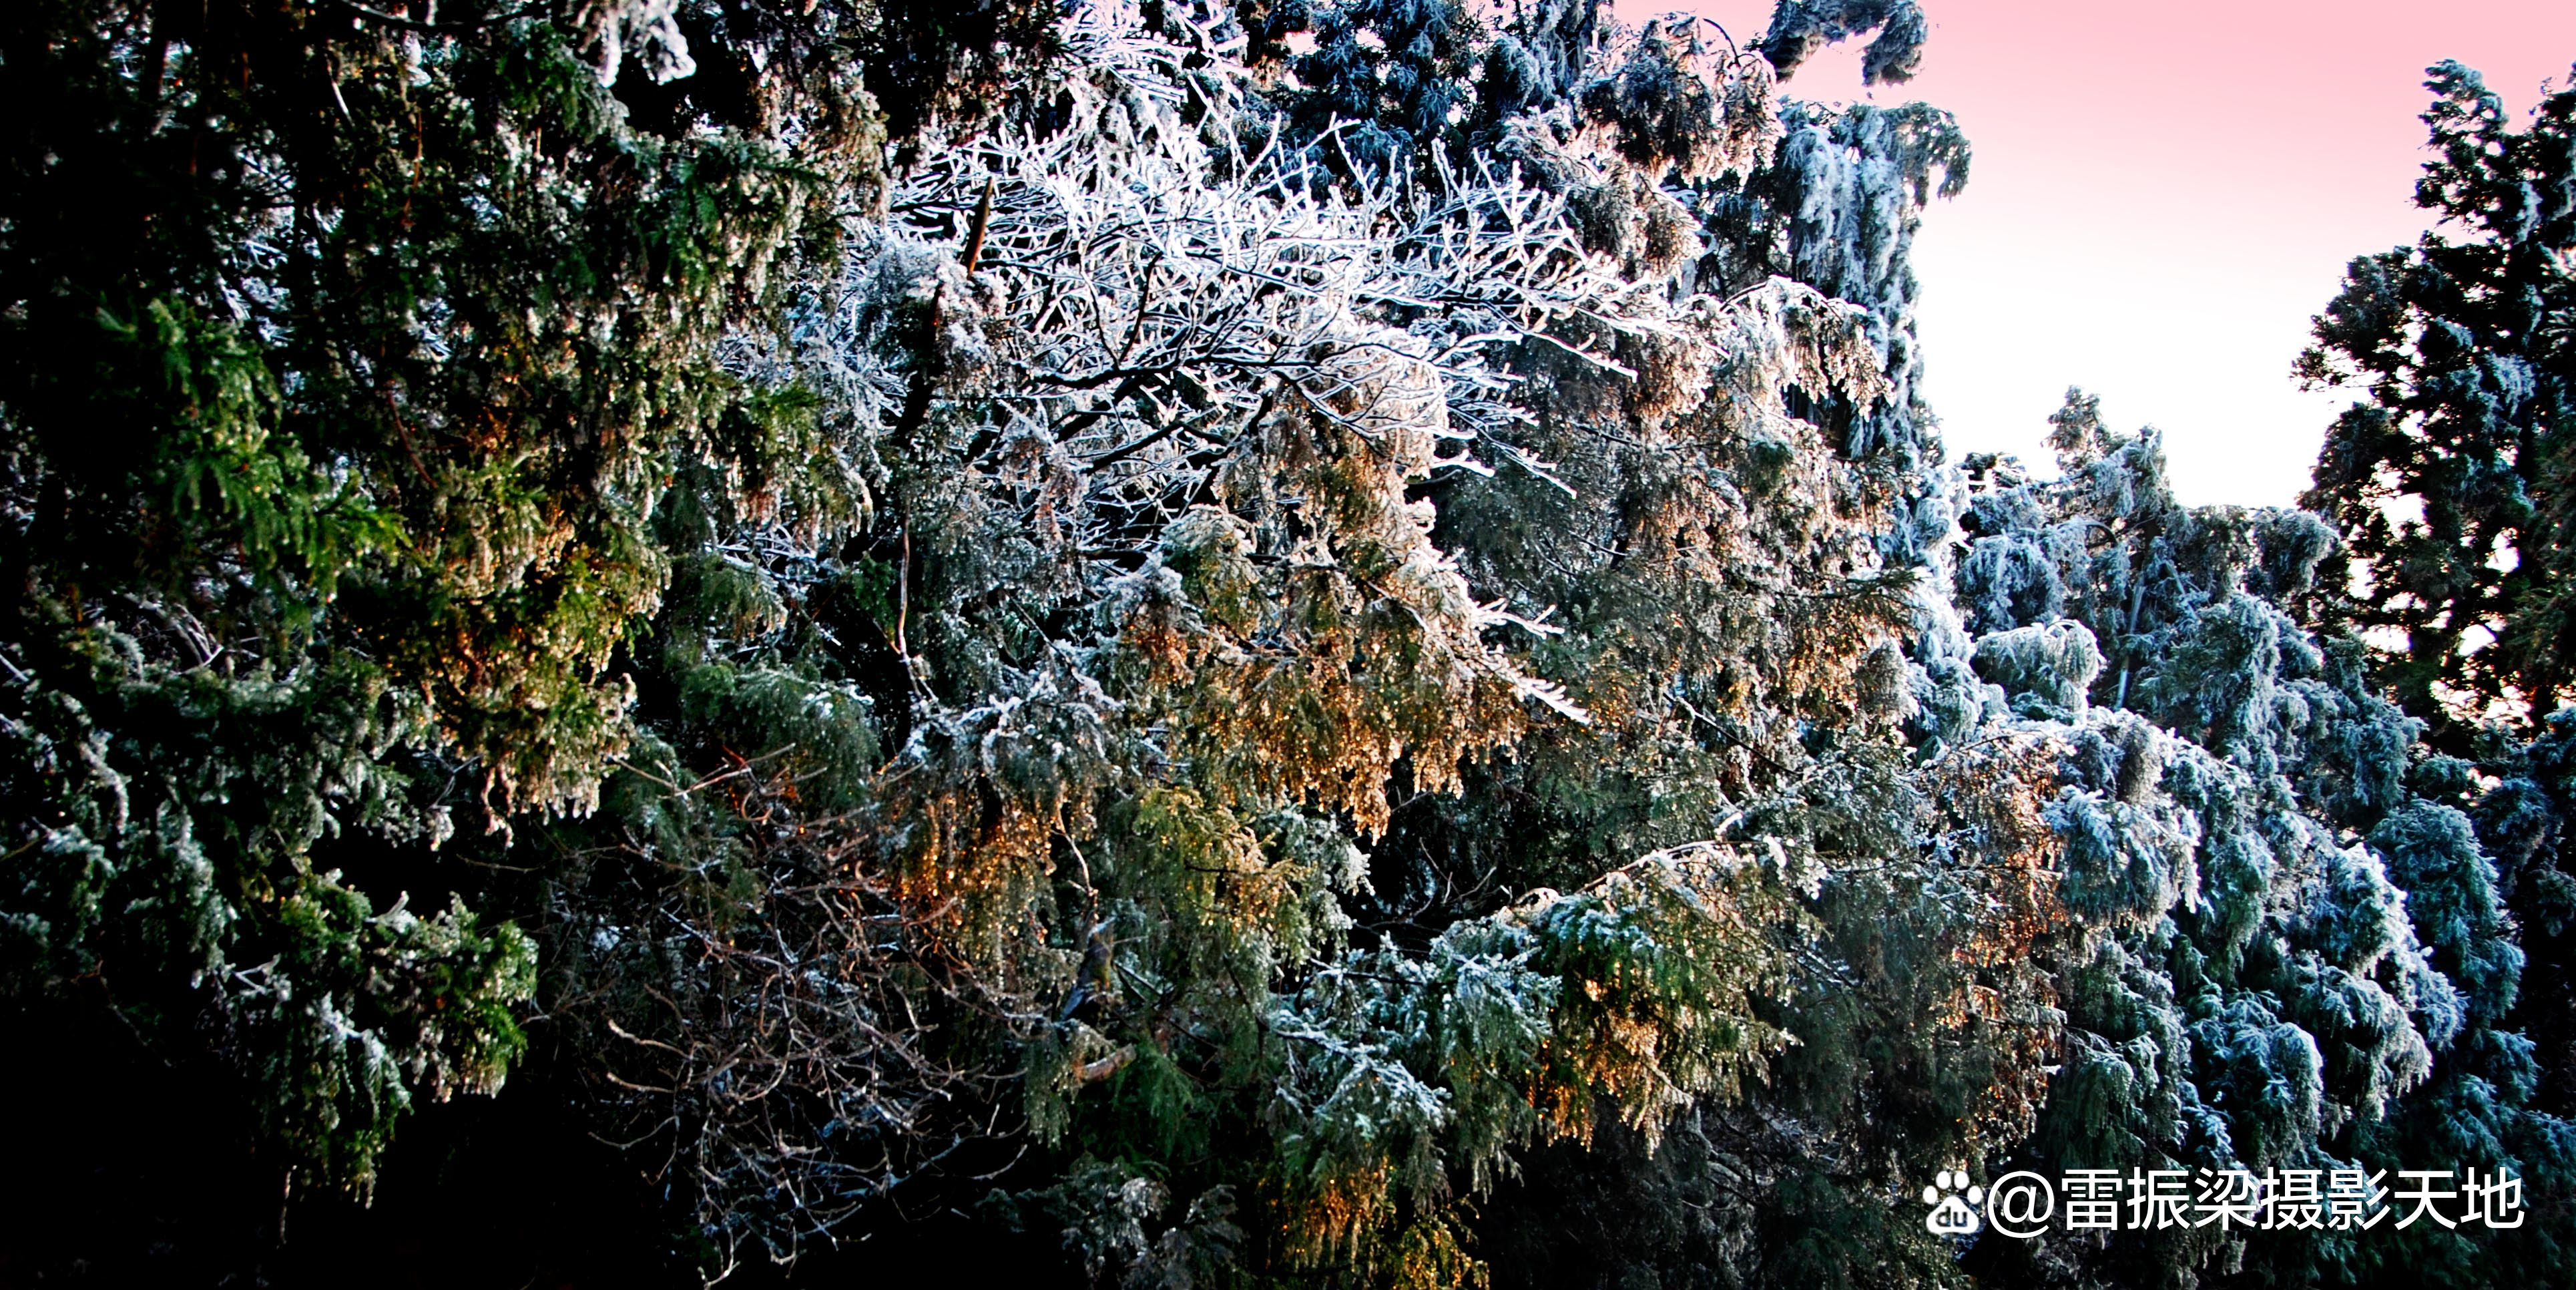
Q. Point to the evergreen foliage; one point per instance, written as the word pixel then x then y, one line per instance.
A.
pixel 2449 481
pixel 2448 484
pixel 1319 644
pixel 348 354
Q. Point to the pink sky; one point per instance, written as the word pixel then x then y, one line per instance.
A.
pixel 2162 195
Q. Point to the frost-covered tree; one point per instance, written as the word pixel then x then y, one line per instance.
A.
pixel 347 352
pixel 2449 481
pixel 2294 949
pixel 1233 661
pixel 1800 27
pixel 1157 636
pixel 2449 485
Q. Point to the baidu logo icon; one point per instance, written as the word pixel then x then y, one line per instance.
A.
pixel 1951 1214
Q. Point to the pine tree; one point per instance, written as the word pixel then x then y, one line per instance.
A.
pixel 348 353
pixel 1223 665
pixel 2448 481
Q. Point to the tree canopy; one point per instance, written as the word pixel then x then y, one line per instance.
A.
pixel 1313 643
pixel 2449 480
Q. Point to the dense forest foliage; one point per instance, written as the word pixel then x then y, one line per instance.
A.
pixel 1322 642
